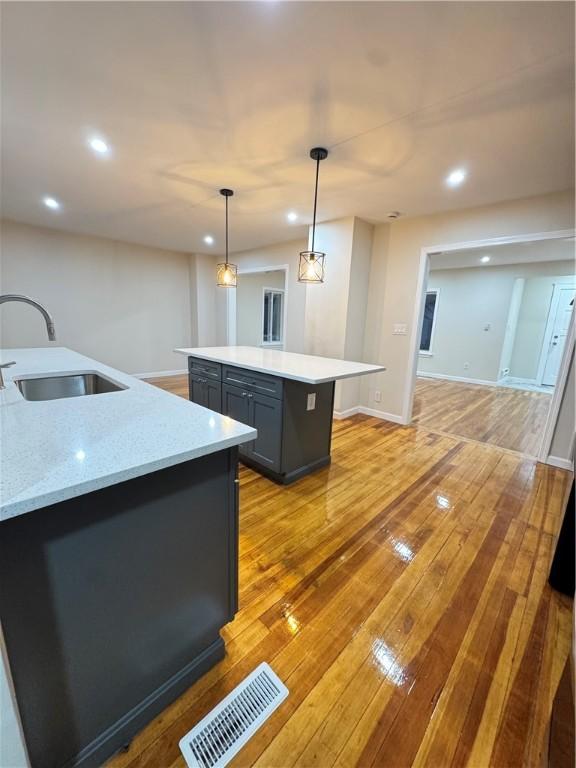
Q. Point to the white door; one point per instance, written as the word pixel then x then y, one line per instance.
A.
pixel 561 311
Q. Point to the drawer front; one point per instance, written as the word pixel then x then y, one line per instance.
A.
pixel 204 367
pixel 252 381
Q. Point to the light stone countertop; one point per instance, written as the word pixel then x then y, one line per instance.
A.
pixel 54 450
pixel 310 369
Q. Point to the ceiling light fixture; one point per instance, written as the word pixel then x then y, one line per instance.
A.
pixel 292 216
pixel 99 146
pixel 226 273
pixel 456 177
pixel 485 259
pixel 51 203
pixel 311 265
pixel 208 239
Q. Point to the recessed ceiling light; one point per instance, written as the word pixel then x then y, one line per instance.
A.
pixel 209 240
pixel 292 216
pixel 456 177
pixel 51 203
pixel 485 259
pixel 99 146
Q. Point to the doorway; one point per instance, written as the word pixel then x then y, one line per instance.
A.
pixel 561 308
pixel 257 308
pixel 495 320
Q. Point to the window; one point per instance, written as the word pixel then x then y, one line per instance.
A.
pixel 430 306
pixel 272 316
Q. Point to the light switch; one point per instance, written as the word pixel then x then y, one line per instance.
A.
pixel 311 404
pixel 399 329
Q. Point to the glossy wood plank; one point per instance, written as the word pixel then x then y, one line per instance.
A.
pixel 401 594
pixel 178 385
pixel 509 418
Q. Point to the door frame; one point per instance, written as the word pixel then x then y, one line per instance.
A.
pixel 550 320
pixel 418 313
pixel 231 301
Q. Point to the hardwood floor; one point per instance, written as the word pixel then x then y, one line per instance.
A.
pixel 178 385
pixel 401 594
pixel 509 418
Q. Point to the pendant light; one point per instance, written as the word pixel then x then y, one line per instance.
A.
pixel 226 273
pixel 311 266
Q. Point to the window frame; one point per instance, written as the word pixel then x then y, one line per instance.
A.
pixel 272 291
pixel 430 351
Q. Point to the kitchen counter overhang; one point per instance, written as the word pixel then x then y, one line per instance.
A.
pixel 55 450
pixel 309 369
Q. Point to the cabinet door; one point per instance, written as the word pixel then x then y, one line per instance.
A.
pixel 266 417
pixel 235 403
pixel 213 395
pixel 198 393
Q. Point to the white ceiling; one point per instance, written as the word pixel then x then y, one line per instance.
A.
pixel 558 249
pixel 195 96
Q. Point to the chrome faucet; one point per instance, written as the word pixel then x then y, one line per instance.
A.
pixel 43 311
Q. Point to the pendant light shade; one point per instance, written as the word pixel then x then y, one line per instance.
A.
pixel 311 265
pixel 226 273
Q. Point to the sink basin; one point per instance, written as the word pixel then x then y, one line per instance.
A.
pixel 74 385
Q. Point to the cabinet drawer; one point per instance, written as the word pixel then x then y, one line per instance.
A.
pixel 204 367
pixel 252 381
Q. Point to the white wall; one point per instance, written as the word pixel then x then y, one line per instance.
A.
pixel 394 277
pixel 249 305
pixel 126 305
pixel 562 446
pixel 274 256
pixel 206 302
pixel 532 321
pixel 469 299
pixel 327 302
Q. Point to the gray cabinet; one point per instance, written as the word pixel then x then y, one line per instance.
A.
pixel 265 415
pixel 205 391
pixel 126 590
pixel 293 419
pixel 235 403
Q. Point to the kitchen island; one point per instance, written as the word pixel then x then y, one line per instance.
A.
pixel 118 549
pixel 287 397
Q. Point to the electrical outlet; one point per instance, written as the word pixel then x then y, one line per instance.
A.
pixel 377 396
pixel 466 366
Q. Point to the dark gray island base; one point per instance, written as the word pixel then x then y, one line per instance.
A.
pixel 112 605
pixel 293 418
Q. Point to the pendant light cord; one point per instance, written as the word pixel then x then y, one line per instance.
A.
pixel 315 201
pixel 226 230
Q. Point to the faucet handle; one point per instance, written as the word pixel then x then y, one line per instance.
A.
pixel 7 365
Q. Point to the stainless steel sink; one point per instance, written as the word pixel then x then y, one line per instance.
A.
pixel 76 385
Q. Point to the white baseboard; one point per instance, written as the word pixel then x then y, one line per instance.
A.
pixel 394 417
pixel 556 461
pixel 347 413
pixel 462 379
pixel 158 374
pixel 516 380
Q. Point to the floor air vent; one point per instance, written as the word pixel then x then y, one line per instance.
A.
pixel 224 731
